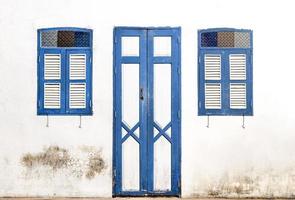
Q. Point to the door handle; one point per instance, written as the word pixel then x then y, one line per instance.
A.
pixel 141 93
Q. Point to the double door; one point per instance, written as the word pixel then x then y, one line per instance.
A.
pixel 147 115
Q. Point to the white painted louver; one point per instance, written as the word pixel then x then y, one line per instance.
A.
pixel 52 63
pixel 78 95
pixel 77 66
pixel 238 96
pixel 52 95
pixel 212 66
pixel 237 65
pixel 212 96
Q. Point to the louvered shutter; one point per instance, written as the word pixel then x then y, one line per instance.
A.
pixel 77 95
pixel 52 76
pixel 77 66
pixel 237 65
pixel 52 95
pixel 238 89
pixel 77 90
pixel 212 69
pixel 52 66
pixel 213 96
pixel 212 66
pixel 238 96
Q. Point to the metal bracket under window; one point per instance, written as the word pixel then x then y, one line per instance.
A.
pixel 47 121
pixel 243 124
pixel 208 121
pixel 80 122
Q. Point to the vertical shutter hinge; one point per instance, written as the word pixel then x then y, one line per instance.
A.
pixel 38 58
pixel 90 60
pixel 178 40
pixel 116 40
pixel 178 70
pixel 115 113
pixel 115 70
pixel 39 104
pixel 199 104
pixel 178 113
pixel 90 102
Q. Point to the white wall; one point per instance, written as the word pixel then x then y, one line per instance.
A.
pixel 224 160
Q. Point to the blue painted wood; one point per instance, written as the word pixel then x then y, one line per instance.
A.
pixel 65 110
pixel 88 81
pixel 146 140
pixel 225 80
pixel 42 81
pixel 118 61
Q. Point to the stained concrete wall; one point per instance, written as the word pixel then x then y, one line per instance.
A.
pixel 223 160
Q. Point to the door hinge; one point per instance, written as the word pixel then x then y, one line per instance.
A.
pixel 115 113
pixel 178 70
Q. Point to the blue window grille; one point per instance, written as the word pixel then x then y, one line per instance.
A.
pixel 64 71
pixel 225 76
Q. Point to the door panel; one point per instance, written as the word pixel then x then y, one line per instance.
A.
pixel 130 119
pixel 162 120
pixel 146 156
pixel 164 112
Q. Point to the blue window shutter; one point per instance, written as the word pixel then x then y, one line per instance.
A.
pixel 50 81
pixel 78 82
pixel 240 81
pixel 210 82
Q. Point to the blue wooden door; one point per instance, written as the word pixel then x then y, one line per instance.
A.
pixel 146 147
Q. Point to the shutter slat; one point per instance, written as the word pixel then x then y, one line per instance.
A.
pixel 78 95
pixel 77 66
pixel 52 63
pixel 212 67
pixel 52 95
pixel 212 96
pixel 237 63
pixel 238 96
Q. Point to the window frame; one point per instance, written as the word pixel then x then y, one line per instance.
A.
pixel 225 76
pixel 64 79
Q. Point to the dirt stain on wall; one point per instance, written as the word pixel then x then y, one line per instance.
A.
pixel 89 163
pixel 54 157
pixel 95 165
pixel 236 186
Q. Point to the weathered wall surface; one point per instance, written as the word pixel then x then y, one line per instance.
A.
pixel 224 160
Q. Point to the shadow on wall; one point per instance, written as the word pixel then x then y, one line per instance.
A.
pixel 86 162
